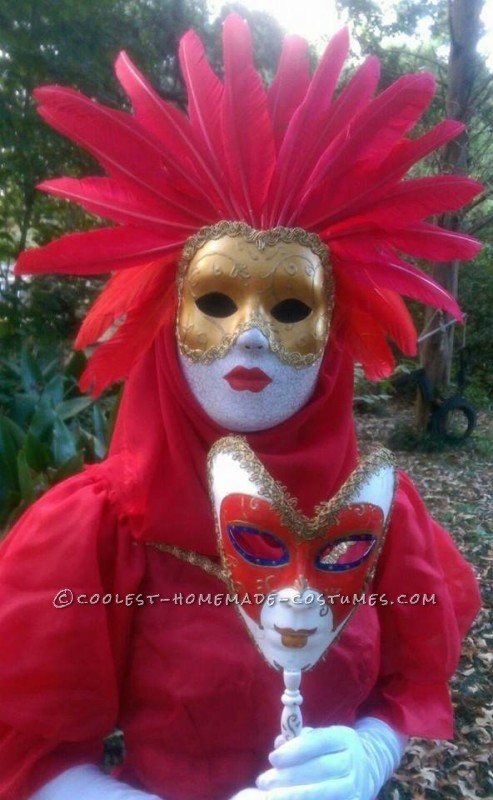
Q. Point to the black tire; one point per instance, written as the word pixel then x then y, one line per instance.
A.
pixel 455 419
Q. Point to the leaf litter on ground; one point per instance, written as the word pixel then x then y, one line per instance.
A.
pixel 457 486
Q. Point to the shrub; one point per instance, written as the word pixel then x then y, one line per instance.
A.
pixel 48 430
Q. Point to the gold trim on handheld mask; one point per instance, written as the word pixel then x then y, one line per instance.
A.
pixel 234 278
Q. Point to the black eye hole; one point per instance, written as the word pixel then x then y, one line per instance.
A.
pixel 216 304
pixel 291 310
pixel 256 546
pixel 347 553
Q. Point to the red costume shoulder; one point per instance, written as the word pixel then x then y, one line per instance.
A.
pixel 60 682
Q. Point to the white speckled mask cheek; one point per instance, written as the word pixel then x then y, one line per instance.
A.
pixel 249 389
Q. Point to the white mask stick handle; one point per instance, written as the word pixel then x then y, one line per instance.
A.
pixel 291 719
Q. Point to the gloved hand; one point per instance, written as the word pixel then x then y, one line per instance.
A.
pixel 336 763
pixel 87 782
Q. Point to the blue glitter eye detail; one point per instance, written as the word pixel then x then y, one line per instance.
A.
pixel 257 546
pixel 345 553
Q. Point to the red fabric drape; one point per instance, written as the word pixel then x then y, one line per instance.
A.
pixel 162 439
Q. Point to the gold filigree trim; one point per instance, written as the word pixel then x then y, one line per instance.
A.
pixel 196 559
pixel 325 514
pixel 219 351
pixel 260 239
pixel 339 550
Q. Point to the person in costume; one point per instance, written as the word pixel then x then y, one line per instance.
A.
pixel 258 253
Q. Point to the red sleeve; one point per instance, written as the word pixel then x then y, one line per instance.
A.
pixel 61 668
pixel 420 641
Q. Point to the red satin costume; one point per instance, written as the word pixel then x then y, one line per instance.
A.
pixel 198 704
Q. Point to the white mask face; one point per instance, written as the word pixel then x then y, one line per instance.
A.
pixel 250 389
pixel 296 577
pixel 295 628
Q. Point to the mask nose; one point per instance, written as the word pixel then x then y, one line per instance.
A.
pixel 304 601
pixel 253 341
pixel 298 600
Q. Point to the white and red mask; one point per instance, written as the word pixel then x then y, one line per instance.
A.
pixel 293 574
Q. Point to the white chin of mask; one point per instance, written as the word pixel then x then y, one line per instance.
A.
pixel 250 389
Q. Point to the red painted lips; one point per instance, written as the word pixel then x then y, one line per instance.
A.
pixel 242 379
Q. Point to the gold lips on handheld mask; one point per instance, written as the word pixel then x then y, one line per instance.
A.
pixel 234 279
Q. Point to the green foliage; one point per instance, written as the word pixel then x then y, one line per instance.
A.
pixel 47 309
pixel 371 397
pixel 394 34
pixel 476 299
pixel 267 38
pixel 48 430
pixel 72 44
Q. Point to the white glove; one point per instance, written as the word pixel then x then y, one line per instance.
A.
pixel 87 782
pixel 336 763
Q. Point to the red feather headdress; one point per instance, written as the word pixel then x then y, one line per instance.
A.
pixel 294 155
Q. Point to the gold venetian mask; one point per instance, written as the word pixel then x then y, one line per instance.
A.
pixel 234 278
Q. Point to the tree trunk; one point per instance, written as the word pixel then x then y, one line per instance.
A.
pixel 464 23
pixel 27 213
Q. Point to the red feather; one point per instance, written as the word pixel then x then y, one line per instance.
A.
pixel 165 121
pixel 99 251
pixel 249 151
pixel 205 94
pixel 375 209
pixel 421 240
pixel 114 359
pixel 119 202
pixel 295 162
pixel 289 86
pixel 172 130
pixel 424 240
pixel 124 292
pixel 367 344
pixel 409 151
pixel 384 306
pixel 121 146
pixel 378 127
pixel 355 95
pixel 362 186
pixel 365 143
pixel 399 276
pixel 411 201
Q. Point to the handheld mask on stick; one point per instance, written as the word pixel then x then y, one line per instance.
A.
pixel 293 574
